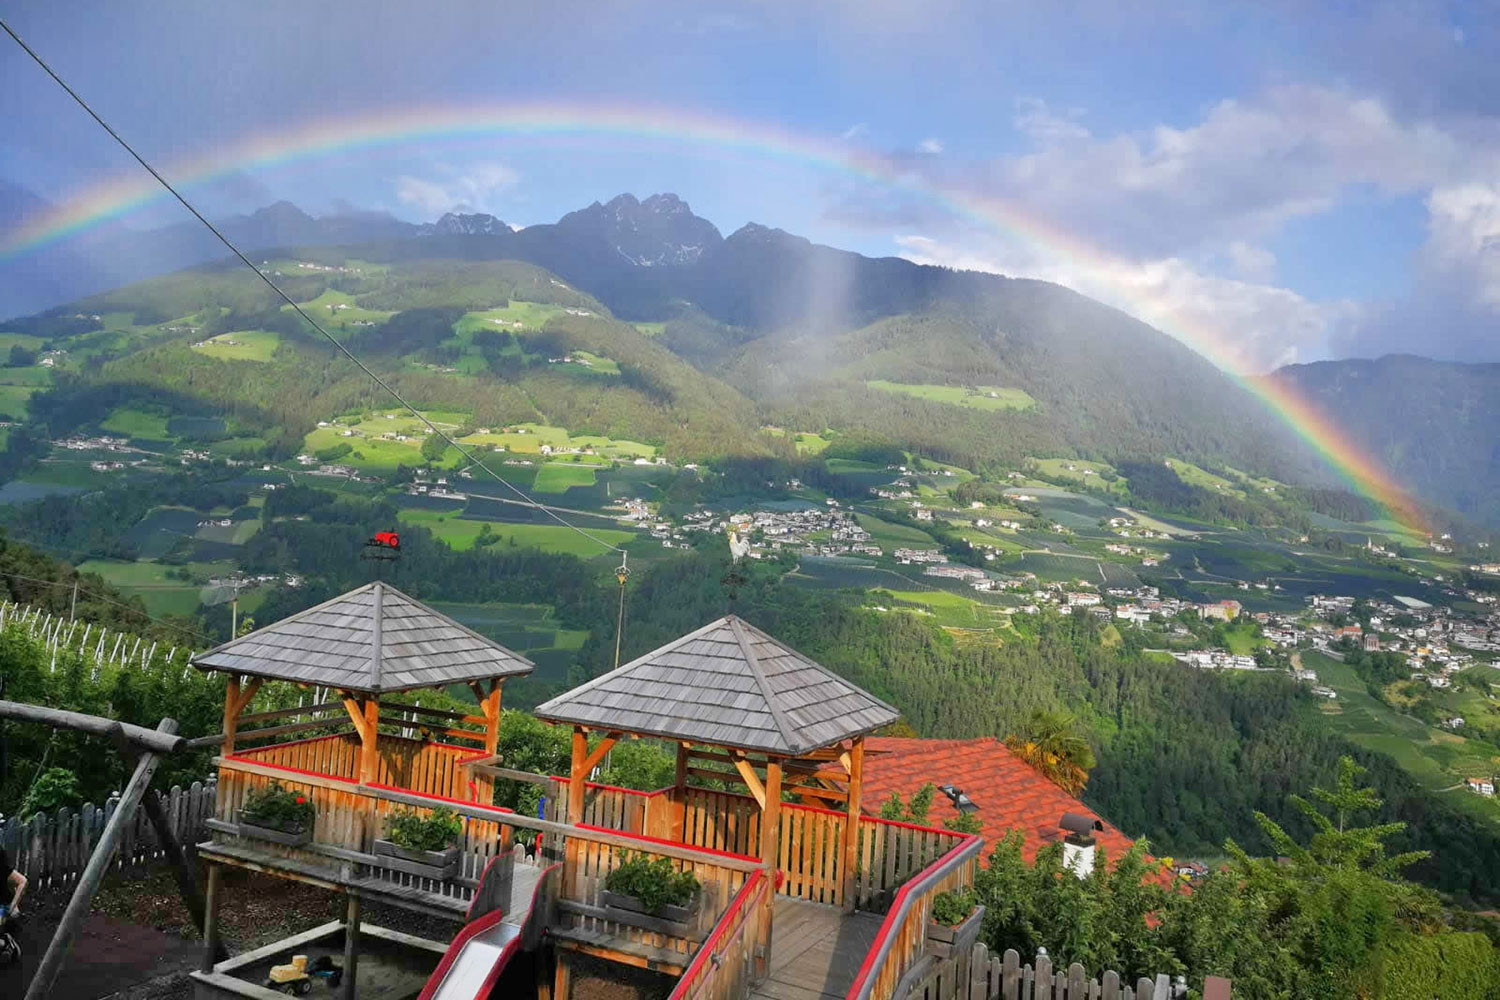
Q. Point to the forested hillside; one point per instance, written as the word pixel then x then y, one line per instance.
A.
pixel 1432 423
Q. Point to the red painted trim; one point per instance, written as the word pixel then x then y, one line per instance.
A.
pixel 705 951
pixel 888 924
pixel 289 743
pixel 814 809
pixel 669 843
pixel 911 826
pixel 295 770
pixel 609 788
pixel 439 798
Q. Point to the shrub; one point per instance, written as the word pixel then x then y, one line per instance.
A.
pixel 653 882
pixel 436 831
pixel 57 786
pixel 279 808
pixel 951 908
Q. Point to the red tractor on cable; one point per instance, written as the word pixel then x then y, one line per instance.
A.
pixel 385 546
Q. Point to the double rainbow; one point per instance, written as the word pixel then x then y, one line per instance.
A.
pixel 117 197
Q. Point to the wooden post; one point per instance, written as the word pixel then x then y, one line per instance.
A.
pixel 231 717
pixel 99 864
pixel 561 987
pixel 577 775
pixel 679 794
pixel 851 829
pixel 187 882
pixel 351 948
pixel 369 738
pixel 770 843
pixel 211 945
pixel 489 707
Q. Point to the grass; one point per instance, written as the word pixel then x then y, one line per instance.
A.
pixel 241 345
pixel 13 400
pixel 1240 637
pixel 556 477
pixel 1438 760
pixel 527 439
pixel 651 329
pixel 517 317
pixel 983 397
pixel 946 608
pixel 460 534
pixel 1194 476
pixel 149 581
pixel 336 311
pixel 889 535
pixel 134 423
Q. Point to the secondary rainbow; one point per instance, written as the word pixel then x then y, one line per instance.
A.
pixel 117 197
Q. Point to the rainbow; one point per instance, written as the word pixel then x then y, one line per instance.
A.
pixel 112 199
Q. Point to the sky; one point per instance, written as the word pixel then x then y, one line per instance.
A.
pixel 1306 180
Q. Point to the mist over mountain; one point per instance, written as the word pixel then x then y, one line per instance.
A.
pixel 1431 423
pixel 807 331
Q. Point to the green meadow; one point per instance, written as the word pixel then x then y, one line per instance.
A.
pixel 241 345
pixel 460 533
pixel 982 397
pixel 135 423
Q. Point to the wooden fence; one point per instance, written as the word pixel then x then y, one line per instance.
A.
pixel 725 965
pixel 53 848
pixel 978 975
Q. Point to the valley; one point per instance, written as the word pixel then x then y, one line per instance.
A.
pixel 929 478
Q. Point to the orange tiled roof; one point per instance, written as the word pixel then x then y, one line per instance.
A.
pixel 1010 793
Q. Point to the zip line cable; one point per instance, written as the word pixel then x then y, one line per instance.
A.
pixel 530 501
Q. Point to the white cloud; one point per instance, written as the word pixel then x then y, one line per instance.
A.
pixel 1464 236
pixel 855 131
pixel 1251 263
pixel 1241 325
pixel 471 188
pixel 1035 119
pixel 930 147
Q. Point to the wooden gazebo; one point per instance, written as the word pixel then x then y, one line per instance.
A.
pixel 739 705
pixel 369 642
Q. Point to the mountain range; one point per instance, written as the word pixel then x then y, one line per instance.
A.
pixel 792 333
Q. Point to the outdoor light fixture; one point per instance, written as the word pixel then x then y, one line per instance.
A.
pixel 960 801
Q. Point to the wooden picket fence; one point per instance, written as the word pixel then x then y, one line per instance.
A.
pixel 52 849
pixel 978 975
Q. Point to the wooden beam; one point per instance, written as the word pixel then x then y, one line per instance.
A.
pixel 351 948
pixel 752 781
pixel 369 761
pixel 210 926
pixel 578 774
pixel 100 862
pixel 282 713
pixel 679 792
pixel 231 717
pixel 597 754
pixel 246 695
pixel 818 792
pixel 770 817
pixel 356 715
pixel 856 766
pixel 138 737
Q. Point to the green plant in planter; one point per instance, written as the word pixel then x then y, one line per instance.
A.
pixel 653 882
pixel 436 831
pixel 279 809
pixel 952 908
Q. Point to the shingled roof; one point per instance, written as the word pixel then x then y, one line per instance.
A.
pixel 372 639
pixel 728 684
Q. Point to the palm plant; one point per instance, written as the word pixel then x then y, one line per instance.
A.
pixel 1050 741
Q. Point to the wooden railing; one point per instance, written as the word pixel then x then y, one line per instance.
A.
pixel 588 864
pixel 725 965
pixel 903 935
pixel 977 974
pixel 810 846
pixel 416 765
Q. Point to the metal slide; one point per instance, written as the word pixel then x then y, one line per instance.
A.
pixel 511 895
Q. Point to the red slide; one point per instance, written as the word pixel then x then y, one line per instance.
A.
pixel 480 952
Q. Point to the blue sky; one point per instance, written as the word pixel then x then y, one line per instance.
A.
pixel 1306 180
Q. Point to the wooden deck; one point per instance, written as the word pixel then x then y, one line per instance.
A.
pixel 815 950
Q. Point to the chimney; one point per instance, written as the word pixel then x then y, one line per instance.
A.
pixel 1078 845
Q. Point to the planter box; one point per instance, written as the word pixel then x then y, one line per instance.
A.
pixel 944 941
pixel 248 828
pixel 678 915
pixel 427 864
